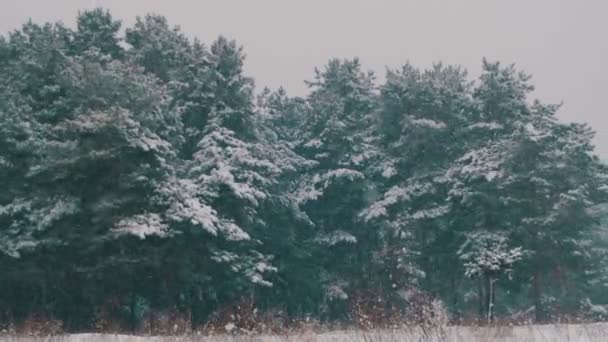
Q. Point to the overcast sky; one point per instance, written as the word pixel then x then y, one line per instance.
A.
pixel 562 43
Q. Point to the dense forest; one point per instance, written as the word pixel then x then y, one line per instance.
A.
pixel 142 175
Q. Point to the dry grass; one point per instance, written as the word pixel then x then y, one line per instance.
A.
pixel 533 333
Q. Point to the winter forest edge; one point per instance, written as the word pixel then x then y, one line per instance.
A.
pixel 143 177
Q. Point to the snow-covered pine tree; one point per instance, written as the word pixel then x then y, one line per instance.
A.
pixel 488 255
pixel 511 183
pixel 139 177
pixel 422 119
pixel 93 138
pixel 335 135
pixel 474 178
pixel 228 167
pixel 97 29
pixel 554 179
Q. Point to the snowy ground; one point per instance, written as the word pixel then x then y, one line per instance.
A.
pixel 549 333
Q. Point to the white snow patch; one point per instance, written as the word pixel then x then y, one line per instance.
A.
pixel 336 237
pixel 393 196
pixel 142 225
pixel 486 125
pixel 426 123
pixel 316 143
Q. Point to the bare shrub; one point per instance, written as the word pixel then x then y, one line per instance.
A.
pixel 370 310
pixel 106 317
pixel 424 310
pixel 169 322
pixel 38 325
pixel 237 318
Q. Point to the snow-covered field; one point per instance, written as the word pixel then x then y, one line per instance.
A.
pixel 549 333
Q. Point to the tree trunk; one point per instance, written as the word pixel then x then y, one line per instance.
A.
pixel 487 283
pixel 133 317
pixel 480 304
pixel 539 310
pixel 133 314
pixel 453 290
pixel 195 309
pixel 491 299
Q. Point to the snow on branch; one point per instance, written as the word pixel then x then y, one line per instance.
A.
pixel 485 252
pixel 394 195
pixel 142 225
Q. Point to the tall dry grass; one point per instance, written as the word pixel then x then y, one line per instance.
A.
pixel 532 333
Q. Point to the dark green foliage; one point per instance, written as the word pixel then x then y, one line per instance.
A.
pixel 96 29
pixel 140 178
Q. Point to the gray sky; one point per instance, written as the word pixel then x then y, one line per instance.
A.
pixel 562 43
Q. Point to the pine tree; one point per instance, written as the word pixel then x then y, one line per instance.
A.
pixel 97 29
pixel 420 133
pixel 140 177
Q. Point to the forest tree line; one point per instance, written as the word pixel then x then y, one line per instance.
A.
pixel 141 173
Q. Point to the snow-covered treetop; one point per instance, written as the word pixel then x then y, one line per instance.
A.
pixel 488 253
